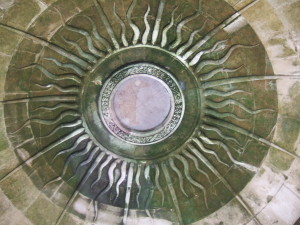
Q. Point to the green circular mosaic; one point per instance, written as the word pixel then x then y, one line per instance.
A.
pixel 214 108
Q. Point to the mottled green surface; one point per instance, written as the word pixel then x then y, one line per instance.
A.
pixel 28 125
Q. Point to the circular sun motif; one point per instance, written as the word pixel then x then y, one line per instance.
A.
pixel 147 104
pixel 144 106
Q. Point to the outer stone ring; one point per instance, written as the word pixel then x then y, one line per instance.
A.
pixel 160 110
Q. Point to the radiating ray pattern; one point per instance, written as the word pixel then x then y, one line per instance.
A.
pixel 52 112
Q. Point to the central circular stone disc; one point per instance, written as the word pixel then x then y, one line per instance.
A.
pixel 141 102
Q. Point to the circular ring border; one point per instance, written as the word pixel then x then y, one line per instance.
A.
pixel 93 84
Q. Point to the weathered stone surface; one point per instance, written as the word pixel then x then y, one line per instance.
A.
pixel 233 154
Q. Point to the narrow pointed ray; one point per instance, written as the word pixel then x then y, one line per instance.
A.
pixel 248 133
pixel 172 193
pixel 222 104
pixel 134 27
pixel 157 184
pixel 191 39
pixel 195 161
pixel 147 30
pixel 47 122
pixel 43 151
pixel 180 178
pixel 103 165
pixel 182 24
pixel 75 155
pixel 83 54
pixel 97 36
pixel 54 180
pixel 217 174
pixel 216 114
pixel 78 188
pixel 150 184
pixel 87 161
pixel 79 140
pixel 123 27
pixel 95 210
pixel 201 147
pixel 217 47
pixel 57 106
pixel 52 76
pixel 156 28
pixel 214 72
pixel 214 31
pixel 128 193
pixel 137 181
pixel 23 143
pixel 56 191
pixel 111 179
pixel 59 88
pixel 27 123
pixel 164 37
pixel 211 92
pixel 89 40
pixel 53 98
pixel 221 61
pixel 209 35
pixel 73 67
pixel 219 132
pixel 225 147
pixel 121 179
pixel 59 50
pixel 190 179
pixel 57 119
pixel 242 79
pixel 106 24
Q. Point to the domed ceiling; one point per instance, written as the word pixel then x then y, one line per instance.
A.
pixel 149 112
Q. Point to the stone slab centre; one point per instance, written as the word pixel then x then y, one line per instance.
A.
pixel 141 102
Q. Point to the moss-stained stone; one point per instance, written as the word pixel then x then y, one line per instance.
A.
pixel 43 211
pixel 4 143
pixel 5 204
pixel 262 188
pixel 8 41
pixel 4 63
pixel 46 24
pixel 292 12
pixel 282 43
pixel 280 160
pixel 290 99
pixel 8 161
pixel 287 66
pixel 292 176
pixel 287 132
pixel 240 4
pixel 232 213
pixel 83 4
pixel 43 204
pixel 69 219
pixel 21 14
pixel 254 153
pixel 6 4
pixel 284 208
pixel 49 2
pixel 9 215
pixel 64 193
pixel 232 2
pixel 255 14
pixel 67 9
pixel 20 190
